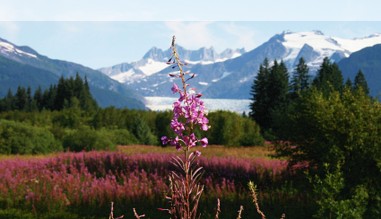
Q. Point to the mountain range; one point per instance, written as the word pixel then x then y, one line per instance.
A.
pixel 225 75
pixel 231 73
pixel 23 66
pixel 155 60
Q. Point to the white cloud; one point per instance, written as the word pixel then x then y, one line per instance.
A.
pixel 242 36
pixel 192 35
pixel 220 35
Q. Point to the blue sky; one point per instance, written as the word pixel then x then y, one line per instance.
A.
pixel 99 33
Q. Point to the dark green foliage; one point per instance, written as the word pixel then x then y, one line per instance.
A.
pixel 67 89
pixel 16 214
pixel 331 201
pixel 269 94
pixel 57 97
pixel 21 138
pixel 360 83
pixel 251 133
pixel 162 123
pixel 341 128
pixel 231 129
pixel 329 77
pixel 142 131
pixel 70 117
pixel 348 84
pixel 325 125
pixel 87 139
pixel 121 136
pixel 260 97
pixel 300 79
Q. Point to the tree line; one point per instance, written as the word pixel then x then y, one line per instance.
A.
pixel 66 93
pixel 66 117
pixel 273 90
pixel 330 127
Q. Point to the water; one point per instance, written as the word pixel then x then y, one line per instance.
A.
pixel 234 105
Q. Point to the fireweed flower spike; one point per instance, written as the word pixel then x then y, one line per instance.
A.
pixel 189 113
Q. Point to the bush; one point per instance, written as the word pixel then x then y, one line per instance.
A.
pixel 339 128
pixel 251 134
pixel 142 131
pixel 87 139
pixel 231 129
pixel 119 136
pixel 20 138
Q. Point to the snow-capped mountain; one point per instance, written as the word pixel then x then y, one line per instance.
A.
pixel 314 46
pixel 14 52
pixel 155 60
pixel 222 77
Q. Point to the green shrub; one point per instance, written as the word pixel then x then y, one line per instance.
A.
pixel 20 138
pixel 119 136
pixel 15 214
pixel 142 131
pixel 231 129
pixel 87 139
pixel 251 136
pixel 332 202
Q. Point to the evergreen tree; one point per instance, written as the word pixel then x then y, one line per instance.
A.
pixel 348 84
pixel 88 103
pixel 60 94
pixel 74 87
pixel 341 131
pixel 269 91
pixel 28 106
pixel 259 93
pixel 278 85
pixel 360 82
pixel 21 98
pixel 300 78
pixel 329 78
pixel 48 98
pixel 8 102
pixel 38 98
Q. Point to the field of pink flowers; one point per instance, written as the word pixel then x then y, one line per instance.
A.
pixel 85 183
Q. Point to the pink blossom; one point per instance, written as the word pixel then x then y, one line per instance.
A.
pixel 204 142
pixel 175 88
pixel 164 140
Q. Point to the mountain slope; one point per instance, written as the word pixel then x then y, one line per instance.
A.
pixel 368 60
pixel 232 78
pixel 21 65
pixel 14 74
pixel 155 61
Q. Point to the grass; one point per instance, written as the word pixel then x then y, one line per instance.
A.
pixel 209 151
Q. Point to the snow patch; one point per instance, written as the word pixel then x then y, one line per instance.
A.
pixel 354 45
pixel 152 67
pixel 127 77
pixel 224 75
pixel 10 48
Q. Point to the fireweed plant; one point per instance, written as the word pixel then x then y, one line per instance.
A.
pixel 189 113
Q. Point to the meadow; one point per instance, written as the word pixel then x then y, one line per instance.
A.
pixel 82 185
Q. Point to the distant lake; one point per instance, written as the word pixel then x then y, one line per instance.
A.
pixel 234 105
